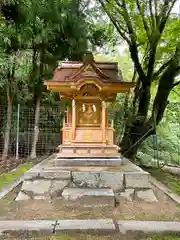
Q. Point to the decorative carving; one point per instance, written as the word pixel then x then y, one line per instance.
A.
pixel 88 113
pixel 89 90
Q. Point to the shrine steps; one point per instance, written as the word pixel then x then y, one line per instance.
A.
pixel 87 182
pixel 88 197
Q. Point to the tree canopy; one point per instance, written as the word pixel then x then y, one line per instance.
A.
pixel 36 34
pixel 152 35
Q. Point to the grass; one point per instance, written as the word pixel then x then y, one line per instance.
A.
pixel 10 177
pixel 163 238
pixel 78 237
pixel 170 180
pixel 75 236
pixel 155 237
pixel 95 237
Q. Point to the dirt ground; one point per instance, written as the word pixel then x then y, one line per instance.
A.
pixel 84 236
pixel 70 237
pixel 164 209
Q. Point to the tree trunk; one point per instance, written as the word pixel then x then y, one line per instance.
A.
pixel 138 128
pixel 36 129
pixel 133 137
pixel 8 127
pixel 11 80
pixel 37 93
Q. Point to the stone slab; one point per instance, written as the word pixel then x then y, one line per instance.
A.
pixel 22 196
pixel 128 194
pixel 37 187
pixel 88 197
pixel 161 227
pixel 175 197
pixel 31 175
pixel 33 225
pixel 10 187
pixel 137 180
pixel 41 198
pixel 131 166
pixel 101 226
pixel 147 195
pixel 100 179
pixel 55 174
pixel 89 162
pixel 114 180
pixel 48 174
pixel 57 187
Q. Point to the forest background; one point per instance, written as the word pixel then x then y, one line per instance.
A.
pixel 142 36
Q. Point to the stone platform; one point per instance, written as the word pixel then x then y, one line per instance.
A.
pixel 91 182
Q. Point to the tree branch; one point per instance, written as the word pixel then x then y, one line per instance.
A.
pixel 133 45
pixel 151 13
pixel 115 23
pixel 177 72
pixel 175 84
pixel 164 15
pixel 156 74
pixel 171 7
pixel 143 19
pixel 128 22
pixel 132 41
pixel 166 9
pixel 134 75
pixel 156 11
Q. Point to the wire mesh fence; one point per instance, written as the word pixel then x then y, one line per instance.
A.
pixel 22 130
pixel 50 124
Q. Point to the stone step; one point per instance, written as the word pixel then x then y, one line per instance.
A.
pixel 88 197
pixel 88 162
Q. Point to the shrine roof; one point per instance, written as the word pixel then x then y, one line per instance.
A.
pixel 72 71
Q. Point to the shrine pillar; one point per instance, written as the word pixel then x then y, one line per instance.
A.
pixel 73 119
pixel 67 116
pixel 103 123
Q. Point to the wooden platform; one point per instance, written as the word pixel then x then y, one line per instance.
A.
pixel 88 150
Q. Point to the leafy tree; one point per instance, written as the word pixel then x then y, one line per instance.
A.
pixel 11 42
pixel 148 29
pixel 34 35
pixel 57 31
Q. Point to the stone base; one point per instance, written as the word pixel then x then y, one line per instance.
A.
pixel 87 150
pixel 88 162
pixel 88 197
pixel 46 181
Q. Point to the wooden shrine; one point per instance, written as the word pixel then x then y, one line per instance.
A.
pixel 89 86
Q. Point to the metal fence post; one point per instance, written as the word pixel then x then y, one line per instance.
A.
pixel 17 133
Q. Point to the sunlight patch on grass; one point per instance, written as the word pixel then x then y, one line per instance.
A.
pixel 10 177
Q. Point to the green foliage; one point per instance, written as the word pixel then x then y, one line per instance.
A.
pixel 34 36
pixel 10 177
pixel 170 180
pixel 152 35
pixel 167 148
